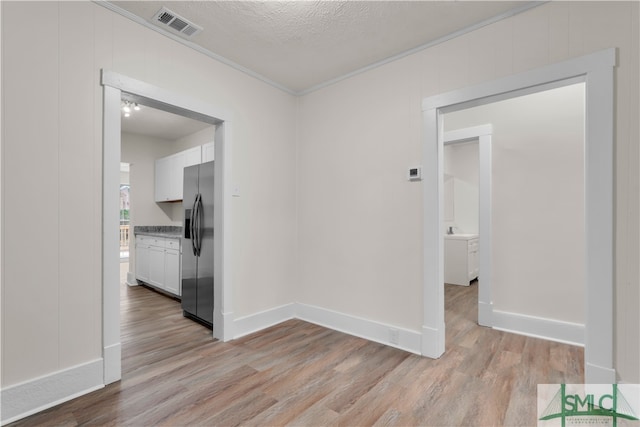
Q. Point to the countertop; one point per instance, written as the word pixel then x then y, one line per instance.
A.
pixel 166 231
pixel 461 236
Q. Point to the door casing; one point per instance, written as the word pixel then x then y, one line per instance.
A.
pixel 596 70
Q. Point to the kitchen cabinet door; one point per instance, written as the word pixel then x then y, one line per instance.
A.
pixel 208 152
pixel 169 174
pixel 142 260
pixel 172 271
pixel 156 266
pixel 163 176
pixel 176 163
pixel 192 156
pixel 180 161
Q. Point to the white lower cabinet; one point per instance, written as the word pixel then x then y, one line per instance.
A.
pixel 460 259
pixel 142 259
pixel 172 271
pixel 156 266
pixel 158 262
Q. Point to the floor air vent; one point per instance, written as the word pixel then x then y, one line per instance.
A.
pixel 166 18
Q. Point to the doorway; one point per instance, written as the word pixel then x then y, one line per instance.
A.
pixel 537 207
pixel 480 221
pixel 596 71
pixel 115 87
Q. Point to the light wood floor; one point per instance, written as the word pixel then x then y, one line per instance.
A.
pixel 301 374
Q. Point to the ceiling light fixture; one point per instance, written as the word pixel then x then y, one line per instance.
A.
pixel 128 107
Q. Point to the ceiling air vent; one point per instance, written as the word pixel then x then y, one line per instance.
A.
pixel 166 18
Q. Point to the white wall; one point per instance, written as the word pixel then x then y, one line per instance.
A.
pixel 52 313
pixel 538 241
pixel 360 221
pixel 461 187
pixel 141 152
pixel 202 137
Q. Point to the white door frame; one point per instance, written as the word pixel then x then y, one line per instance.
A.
pixel 596 71
pixel 483 135
pixel 115 85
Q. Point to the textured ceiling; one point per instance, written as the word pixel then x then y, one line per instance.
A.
pixel 302 44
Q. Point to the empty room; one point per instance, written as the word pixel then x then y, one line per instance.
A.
pixel 248 210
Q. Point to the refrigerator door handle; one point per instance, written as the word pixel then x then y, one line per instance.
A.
pixel 192 227
pixel 199 214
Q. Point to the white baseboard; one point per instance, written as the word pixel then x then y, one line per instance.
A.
pixel 539 327
pixel 393 336
pixel 112 363
pixel 264 319
pixel 24 399
pixel 225 332
pixel 131 279
pixel 432 342
pixel 390 335
pixel 485 314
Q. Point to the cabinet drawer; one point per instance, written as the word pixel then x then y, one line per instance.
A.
pixel 143 240
pixel 156 241
pixel 473 245
pixel 172 244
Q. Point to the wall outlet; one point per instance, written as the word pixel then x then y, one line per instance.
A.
pixel 394 336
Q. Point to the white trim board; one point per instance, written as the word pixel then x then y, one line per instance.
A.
pixel 538 327
pixel 24 399
pixel 131 279
pixel 597 71
pixel 256 322
pixel 406 339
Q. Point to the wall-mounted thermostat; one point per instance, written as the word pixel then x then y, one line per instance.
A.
pixel 414 173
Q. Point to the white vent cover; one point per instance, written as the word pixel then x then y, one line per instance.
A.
pixel 166 18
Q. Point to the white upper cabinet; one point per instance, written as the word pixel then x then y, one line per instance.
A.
pixel 208 152
pixel 185 158
pixel 192 156
pixel 170 173
pixel 163 179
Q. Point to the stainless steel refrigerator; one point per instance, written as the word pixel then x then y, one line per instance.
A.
pixel 197 243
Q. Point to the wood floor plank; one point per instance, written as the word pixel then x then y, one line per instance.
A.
pixel 300 374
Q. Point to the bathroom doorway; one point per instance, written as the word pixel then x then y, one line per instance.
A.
pixel 538 181
pixel 596 72
pixel 461 238
pixel 467 224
